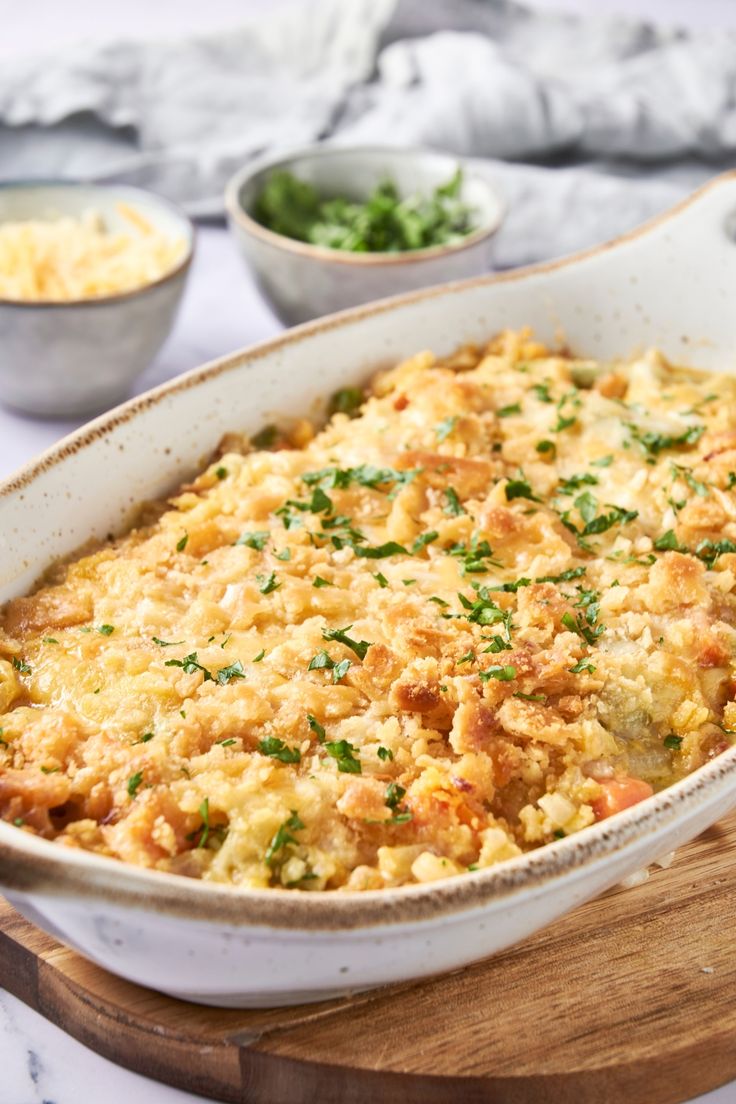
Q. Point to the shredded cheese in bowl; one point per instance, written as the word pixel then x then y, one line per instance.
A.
pixel 68 259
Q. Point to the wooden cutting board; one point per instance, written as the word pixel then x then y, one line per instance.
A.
pixel 631 999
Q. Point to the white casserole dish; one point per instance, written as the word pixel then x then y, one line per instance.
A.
pixel 669 284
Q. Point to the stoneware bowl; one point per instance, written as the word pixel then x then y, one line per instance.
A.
pixel 248 948
pixel 80 357
pixel 303 281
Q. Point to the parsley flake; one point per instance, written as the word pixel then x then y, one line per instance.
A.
pixel 134 782
pixel 277 749
pixel 255 540
pixel 343 753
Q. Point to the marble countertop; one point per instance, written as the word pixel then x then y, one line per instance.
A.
pixel 221 311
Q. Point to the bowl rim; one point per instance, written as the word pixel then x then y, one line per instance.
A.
pixel 190 234
pixel 251 226
pixel 37 867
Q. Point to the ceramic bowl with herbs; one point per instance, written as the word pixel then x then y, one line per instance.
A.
pixel 330 228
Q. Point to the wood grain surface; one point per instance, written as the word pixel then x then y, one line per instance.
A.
pixel 631 999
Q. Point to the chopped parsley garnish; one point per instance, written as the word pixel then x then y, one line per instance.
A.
pixel 563 577
pixel 654 443
pixel 50 770
pixel 189 664
pixel 283 837
pixel 484 611
pixel 673 742
pixel 267 583
pixel 582 665
pixel 265 437
pixel 501 674
pixel 106 630
pixel 708 551
pixel 50 640
pixel 145 738
pixel 530 697
pixel 259 657
pixel 595 523
pixel 511 588
pixel 255 540
pixel 602 462
pixel 423 540
pixel 541 390
pixel 454 507
pixel 322 661
pixel 473 556
pixel 360 647
pixel 221 473
pixel 574 482
pixel 507 411
pixel 277 749
pixel 347 400
pixel 394 794
pixel 182 543
pixel 316 728
pixel 438 601
pixel 444 428
pixel 380 551
pixel 680 472
pixel 134 782
pixel 366 475
pixel 582 626
pixel 497 644
pixel 563 423
pixel 546 446
pixel 668 542
pixel 343 753
pixel 21 666
pixel 380 579
pixel 166 643
pixel 519 488
pixel 284 555
pixel 227 674
pixel 318 582
pixel 469 657
pixel 384 754
pixel 204 812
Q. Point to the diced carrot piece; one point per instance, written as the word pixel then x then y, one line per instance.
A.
pixel 619 794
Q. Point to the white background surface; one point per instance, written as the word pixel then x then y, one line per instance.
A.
pixel 221 311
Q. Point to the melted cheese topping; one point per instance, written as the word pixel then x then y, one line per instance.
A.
pixel 495 606
pixel 69 259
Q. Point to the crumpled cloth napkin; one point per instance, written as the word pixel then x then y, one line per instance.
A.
pixel 588 125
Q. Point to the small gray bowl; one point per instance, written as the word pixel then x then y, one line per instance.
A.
pixel 304 281
pixel 63 359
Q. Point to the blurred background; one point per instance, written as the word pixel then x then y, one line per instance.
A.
pixel 588 117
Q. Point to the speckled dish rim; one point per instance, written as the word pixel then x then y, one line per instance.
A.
pixel 243 176
pixel 23 184
pixel 29 865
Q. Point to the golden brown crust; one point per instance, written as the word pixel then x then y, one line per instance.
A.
pixel 495 606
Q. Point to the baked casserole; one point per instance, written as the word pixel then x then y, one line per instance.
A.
pixel 490 603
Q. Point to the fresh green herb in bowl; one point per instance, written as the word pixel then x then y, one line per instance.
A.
pixel 329 227
pixel 383 223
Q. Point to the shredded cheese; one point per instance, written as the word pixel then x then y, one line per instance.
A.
pixel 69 258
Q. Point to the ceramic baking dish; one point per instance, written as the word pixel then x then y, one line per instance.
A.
pixel 668 284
